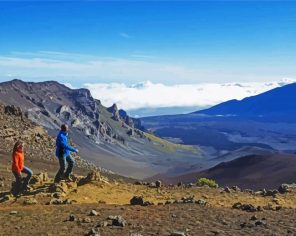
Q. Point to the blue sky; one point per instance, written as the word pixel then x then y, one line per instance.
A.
pixel 171 43
pixel 210 41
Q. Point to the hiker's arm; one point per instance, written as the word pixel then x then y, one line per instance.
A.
pixel 66 146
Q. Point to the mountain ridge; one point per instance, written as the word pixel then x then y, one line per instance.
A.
pixel 101 133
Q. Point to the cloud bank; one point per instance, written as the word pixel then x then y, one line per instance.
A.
pixel 156 95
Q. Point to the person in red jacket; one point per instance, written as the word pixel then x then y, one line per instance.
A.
pixel 18 167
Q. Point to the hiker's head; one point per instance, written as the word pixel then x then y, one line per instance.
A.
pixel 18 146
pixel 64 128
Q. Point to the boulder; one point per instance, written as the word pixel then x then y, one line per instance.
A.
pixel 13 110
pixel 40 178
pixel 91 177
pixel 63 187
pixel 137 200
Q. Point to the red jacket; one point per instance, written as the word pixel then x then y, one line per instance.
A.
pixel 18 161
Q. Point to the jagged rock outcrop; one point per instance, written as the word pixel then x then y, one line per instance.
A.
pixel 13 110
pixel 91 177
pixel 115 112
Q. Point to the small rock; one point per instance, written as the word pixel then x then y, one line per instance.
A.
pixel 30 201
pixel 72 217
pixel 236 188
pixel 93 213
pixel 68 202
pixel 260 223
pixel 158 184
pixel 254 218
pixel 249 191
pixel 202 202
pixel 147 203
pixel 284 188
pixel 245 207
pixel 103 224
pixel 117 221
pixel 93 232
pixel 178 234
pixel 13 213
pixel 271 193
pixel 237 205
pixel 56 201
pixel 227 190
pixel 6 198
pixel 188 199
pixel 152 185
pixel 86 220
pixel 246 225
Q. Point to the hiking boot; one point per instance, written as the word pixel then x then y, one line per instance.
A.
pixel 56 181
pixel 68 179
pixel 28 188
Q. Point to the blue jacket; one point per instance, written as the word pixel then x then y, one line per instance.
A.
pixel 62 147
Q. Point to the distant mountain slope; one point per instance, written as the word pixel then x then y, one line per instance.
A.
pixel 252 171
pixel 267 120
pixel 106 136
pixel 276 102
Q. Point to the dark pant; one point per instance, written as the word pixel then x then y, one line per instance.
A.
pixel 63 160
pixel 22 183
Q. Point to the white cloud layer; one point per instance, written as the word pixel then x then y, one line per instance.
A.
pixel 155 95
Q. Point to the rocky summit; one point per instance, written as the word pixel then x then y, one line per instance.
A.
pixel 107 137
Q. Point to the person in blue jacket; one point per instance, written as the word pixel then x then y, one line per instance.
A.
pixel 63 152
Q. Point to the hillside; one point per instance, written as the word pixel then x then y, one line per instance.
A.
pixel 251 171
pixel 277 103
pixel 108 137
pixel 265 121
pixel 39 147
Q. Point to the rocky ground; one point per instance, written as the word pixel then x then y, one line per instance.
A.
pixel 95 205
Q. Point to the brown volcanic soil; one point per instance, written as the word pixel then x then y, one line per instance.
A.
pixel 218 218
pixel 153 220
